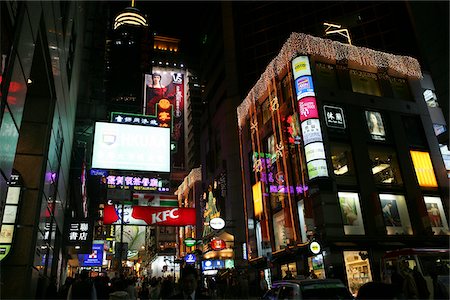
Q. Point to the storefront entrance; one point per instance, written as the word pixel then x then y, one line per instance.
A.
pixel 357 269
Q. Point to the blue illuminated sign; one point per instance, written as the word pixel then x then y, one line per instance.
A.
pixel 190 258
pixel 98 172
pixel 95 259
pixel 304 87
pixel 213 264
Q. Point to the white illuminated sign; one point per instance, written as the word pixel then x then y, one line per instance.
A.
pixel 131 147
pixel 217 223
pixel 314 151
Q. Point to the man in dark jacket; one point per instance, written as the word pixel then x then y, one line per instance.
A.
pixel 189 285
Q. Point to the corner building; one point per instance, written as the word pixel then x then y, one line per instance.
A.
pixel 338 148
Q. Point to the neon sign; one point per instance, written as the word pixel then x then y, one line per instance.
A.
pixel 138 183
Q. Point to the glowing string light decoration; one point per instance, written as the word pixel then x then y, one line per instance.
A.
pixel 304 44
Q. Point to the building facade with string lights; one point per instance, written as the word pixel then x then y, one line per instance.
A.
pixel 339 161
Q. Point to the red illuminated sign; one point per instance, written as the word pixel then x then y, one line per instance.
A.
pixel 218 244
pixel 308 108
pixel 149 215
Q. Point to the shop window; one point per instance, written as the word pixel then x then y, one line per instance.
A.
pixel 385 167
pixel 351 213
pixel 437 216
pixel 291 267
pixel 279 231
pixel 266 115
pixel 365 83
pixel 341 157
pixel 400 88
pixel 375 125
pixel 424 169
pixel 357 267
pixel 326 76
pixel 395 214
pixel 445 152
pixel 414 131
pixel 316 266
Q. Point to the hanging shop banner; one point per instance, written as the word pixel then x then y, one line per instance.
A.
pixel 300 66
pixel 308 108
pixel 309 117
pixel 304 87
pixel 79 232
pixel 334 117
pixel 149 215
pixel 311 131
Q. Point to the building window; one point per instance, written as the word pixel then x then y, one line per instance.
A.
pixel 326 76
pixel 414 131
pixel 266 115
pixel 357 266
pixel 279 231
pixel 437 216
pixel 341 157
pixel 395 214
pixel 351 213
pixel 423 168
pixel 385 168
pixel 375 125
pixel 365 83
pixel 400 88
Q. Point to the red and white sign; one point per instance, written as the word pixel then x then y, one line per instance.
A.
pixel 218 244
pixel 149 215
pixel 308 108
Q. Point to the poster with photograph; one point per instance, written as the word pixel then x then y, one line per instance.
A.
pixel 395 214
pixel 375 125
pixel 437 216
pixel 351 213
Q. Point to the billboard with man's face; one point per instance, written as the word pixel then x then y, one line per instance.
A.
pixel 168 83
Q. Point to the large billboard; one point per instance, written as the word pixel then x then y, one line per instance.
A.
pixel 169 84
pixel 131 147
pixel 149 215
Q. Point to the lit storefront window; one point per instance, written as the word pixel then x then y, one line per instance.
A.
pixel 358 269
pixel 279 231
pixel 423 168
pixel 385 168
pixel 341 157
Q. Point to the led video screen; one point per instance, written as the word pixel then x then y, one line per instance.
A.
pixel 131 147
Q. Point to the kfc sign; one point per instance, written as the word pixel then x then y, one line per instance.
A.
pixel 148 215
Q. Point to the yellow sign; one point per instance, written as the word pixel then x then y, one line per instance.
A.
pixel 257 199
pixel 424 169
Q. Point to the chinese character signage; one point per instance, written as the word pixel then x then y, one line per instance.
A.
pixel 79 232
pixel 309 117
pixel 334 117
pixel 149 215
pixel 126 118
pixel 138 183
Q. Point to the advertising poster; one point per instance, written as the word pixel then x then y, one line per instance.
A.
pixel 300 66
pixel 308 108
pixel 311 131
pixel 395 214
pixel 9 214
pixel 168 83
pixel 317 168
pixel 437 216
pixel 304 87
pixel 6 234
pixel 375 125
pixel 351 213
pixel 314 151
pixel 334 117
